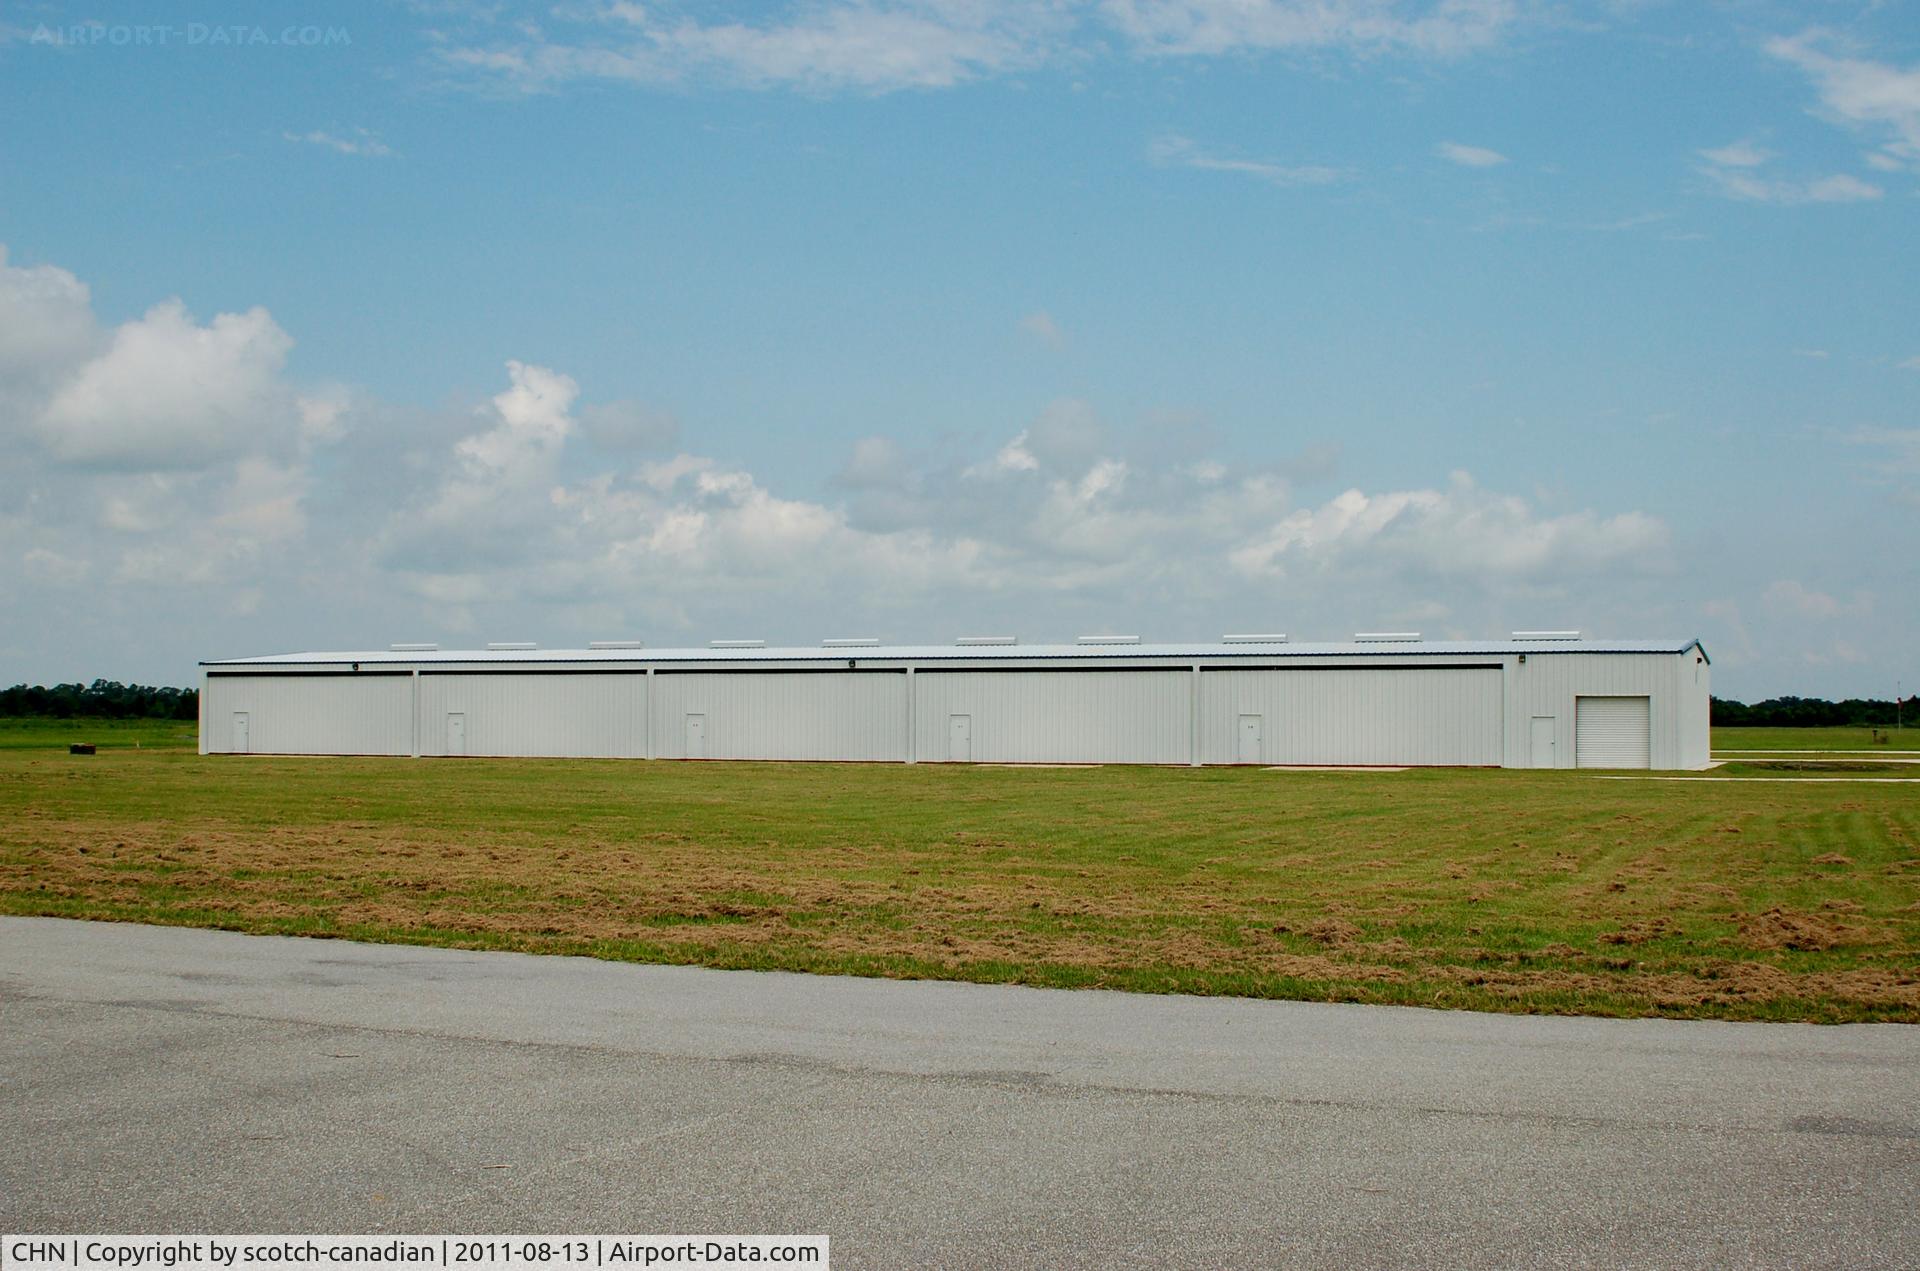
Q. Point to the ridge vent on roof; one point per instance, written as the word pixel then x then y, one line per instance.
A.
pixel 971 640
pixel 850 642
pixel 1546 635
pixel 1106 639
pixel 510 646
pixel 615 644
pixel 1386 637
pixel 736 644
pixel 1276 638
pixel 413 648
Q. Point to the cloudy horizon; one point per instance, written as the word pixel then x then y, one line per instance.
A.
pixel 919 320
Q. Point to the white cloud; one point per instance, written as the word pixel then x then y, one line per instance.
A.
pixel 876 463
pixel 533 423
pixel 359 142
pixel 1041 327
pixel 168 392
pixel 1175 151
pixel 1859 92
pixel 1458 530
pixel 46 321
pixel 1911 364
pixel 1469 156
pixel 1735 170
pixel 860 47
pixel 629 425
pixel 333 518
pixel 1899 456
pixel 1449 28
pixel 879 46
pixel 1739 154
pixel 1789 596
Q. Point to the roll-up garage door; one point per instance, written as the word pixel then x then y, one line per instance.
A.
pixel 1611 732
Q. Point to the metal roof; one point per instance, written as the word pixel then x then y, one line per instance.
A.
pixel 972 653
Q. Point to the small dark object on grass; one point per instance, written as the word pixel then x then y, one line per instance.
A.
pixel 80 748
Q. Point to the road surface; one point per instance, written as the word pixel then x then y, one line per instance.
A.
pixel 156 1079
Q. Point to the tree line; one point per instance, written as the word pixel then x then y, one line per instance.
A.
pixel 102 699
pixel 1813 712
pixel 110 699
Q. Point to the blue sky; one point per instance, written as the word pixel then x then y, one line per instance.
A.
pixel 346 325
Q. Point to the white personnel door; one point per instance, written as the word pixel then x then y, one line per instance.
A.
pixel 242 734
pixel 696 737
pixel 1250 739
pixel 1542 742
pixel 960 739
pixel 1611 732
pixel 456 733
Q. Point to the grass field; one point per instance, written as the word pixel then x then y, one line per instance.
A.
pixel 1817 738
pixel 1494 890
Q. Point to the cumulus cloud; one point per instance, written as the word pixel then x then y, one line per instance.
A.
pixel 543 513
pixel 1469 156
pixel 629 425
pixel 169 392
pixel 46 321
pixel 1460 529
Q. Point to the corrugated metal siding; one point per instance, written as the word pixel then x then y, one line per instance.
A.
pixel 550 715
pixel 1057 716
pixel 1414 716
pixel 768 715
pixel 1547 685
pixel 310 714
pixel 1695 702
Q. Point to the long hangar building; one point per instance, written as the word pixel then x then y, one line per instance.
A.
pixel 1537 700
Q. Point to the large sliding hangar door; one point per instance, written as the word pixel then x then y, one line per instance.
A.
pixel 846 715
pixel 1413 715
pixel 1040 716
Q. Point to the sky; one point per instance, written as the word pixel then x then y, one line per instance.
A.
pixel 326 326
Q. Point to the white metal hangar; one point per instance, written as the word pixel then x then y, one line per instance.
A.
pixel 1537 700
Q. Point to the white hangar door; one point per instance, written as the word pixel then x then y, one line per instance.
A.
pixel 1611 732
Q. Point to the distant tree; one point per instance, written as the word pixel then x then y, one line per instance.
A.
pixel 102 699
pixel 1812 712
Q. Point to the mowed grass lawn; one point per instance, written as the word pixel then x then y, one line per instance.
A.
pixel 1514 891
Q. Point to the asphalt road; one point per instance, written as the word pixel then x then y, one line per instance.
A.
pixel 156 1079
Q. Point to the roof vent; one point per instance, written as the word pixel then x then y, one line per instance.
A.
pixel 1546 635
pixel 1107 639
pixel 851 642
pixel 971 640
pixel 615 644
pixel 414 648
pixel 510 646
pixel 1386 637
pixel 736 644
pixel 1277 638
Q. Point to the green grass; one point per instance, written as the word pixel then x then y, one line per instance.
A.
pixel 1493 890
pixel 1810 739
pixel 107 734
